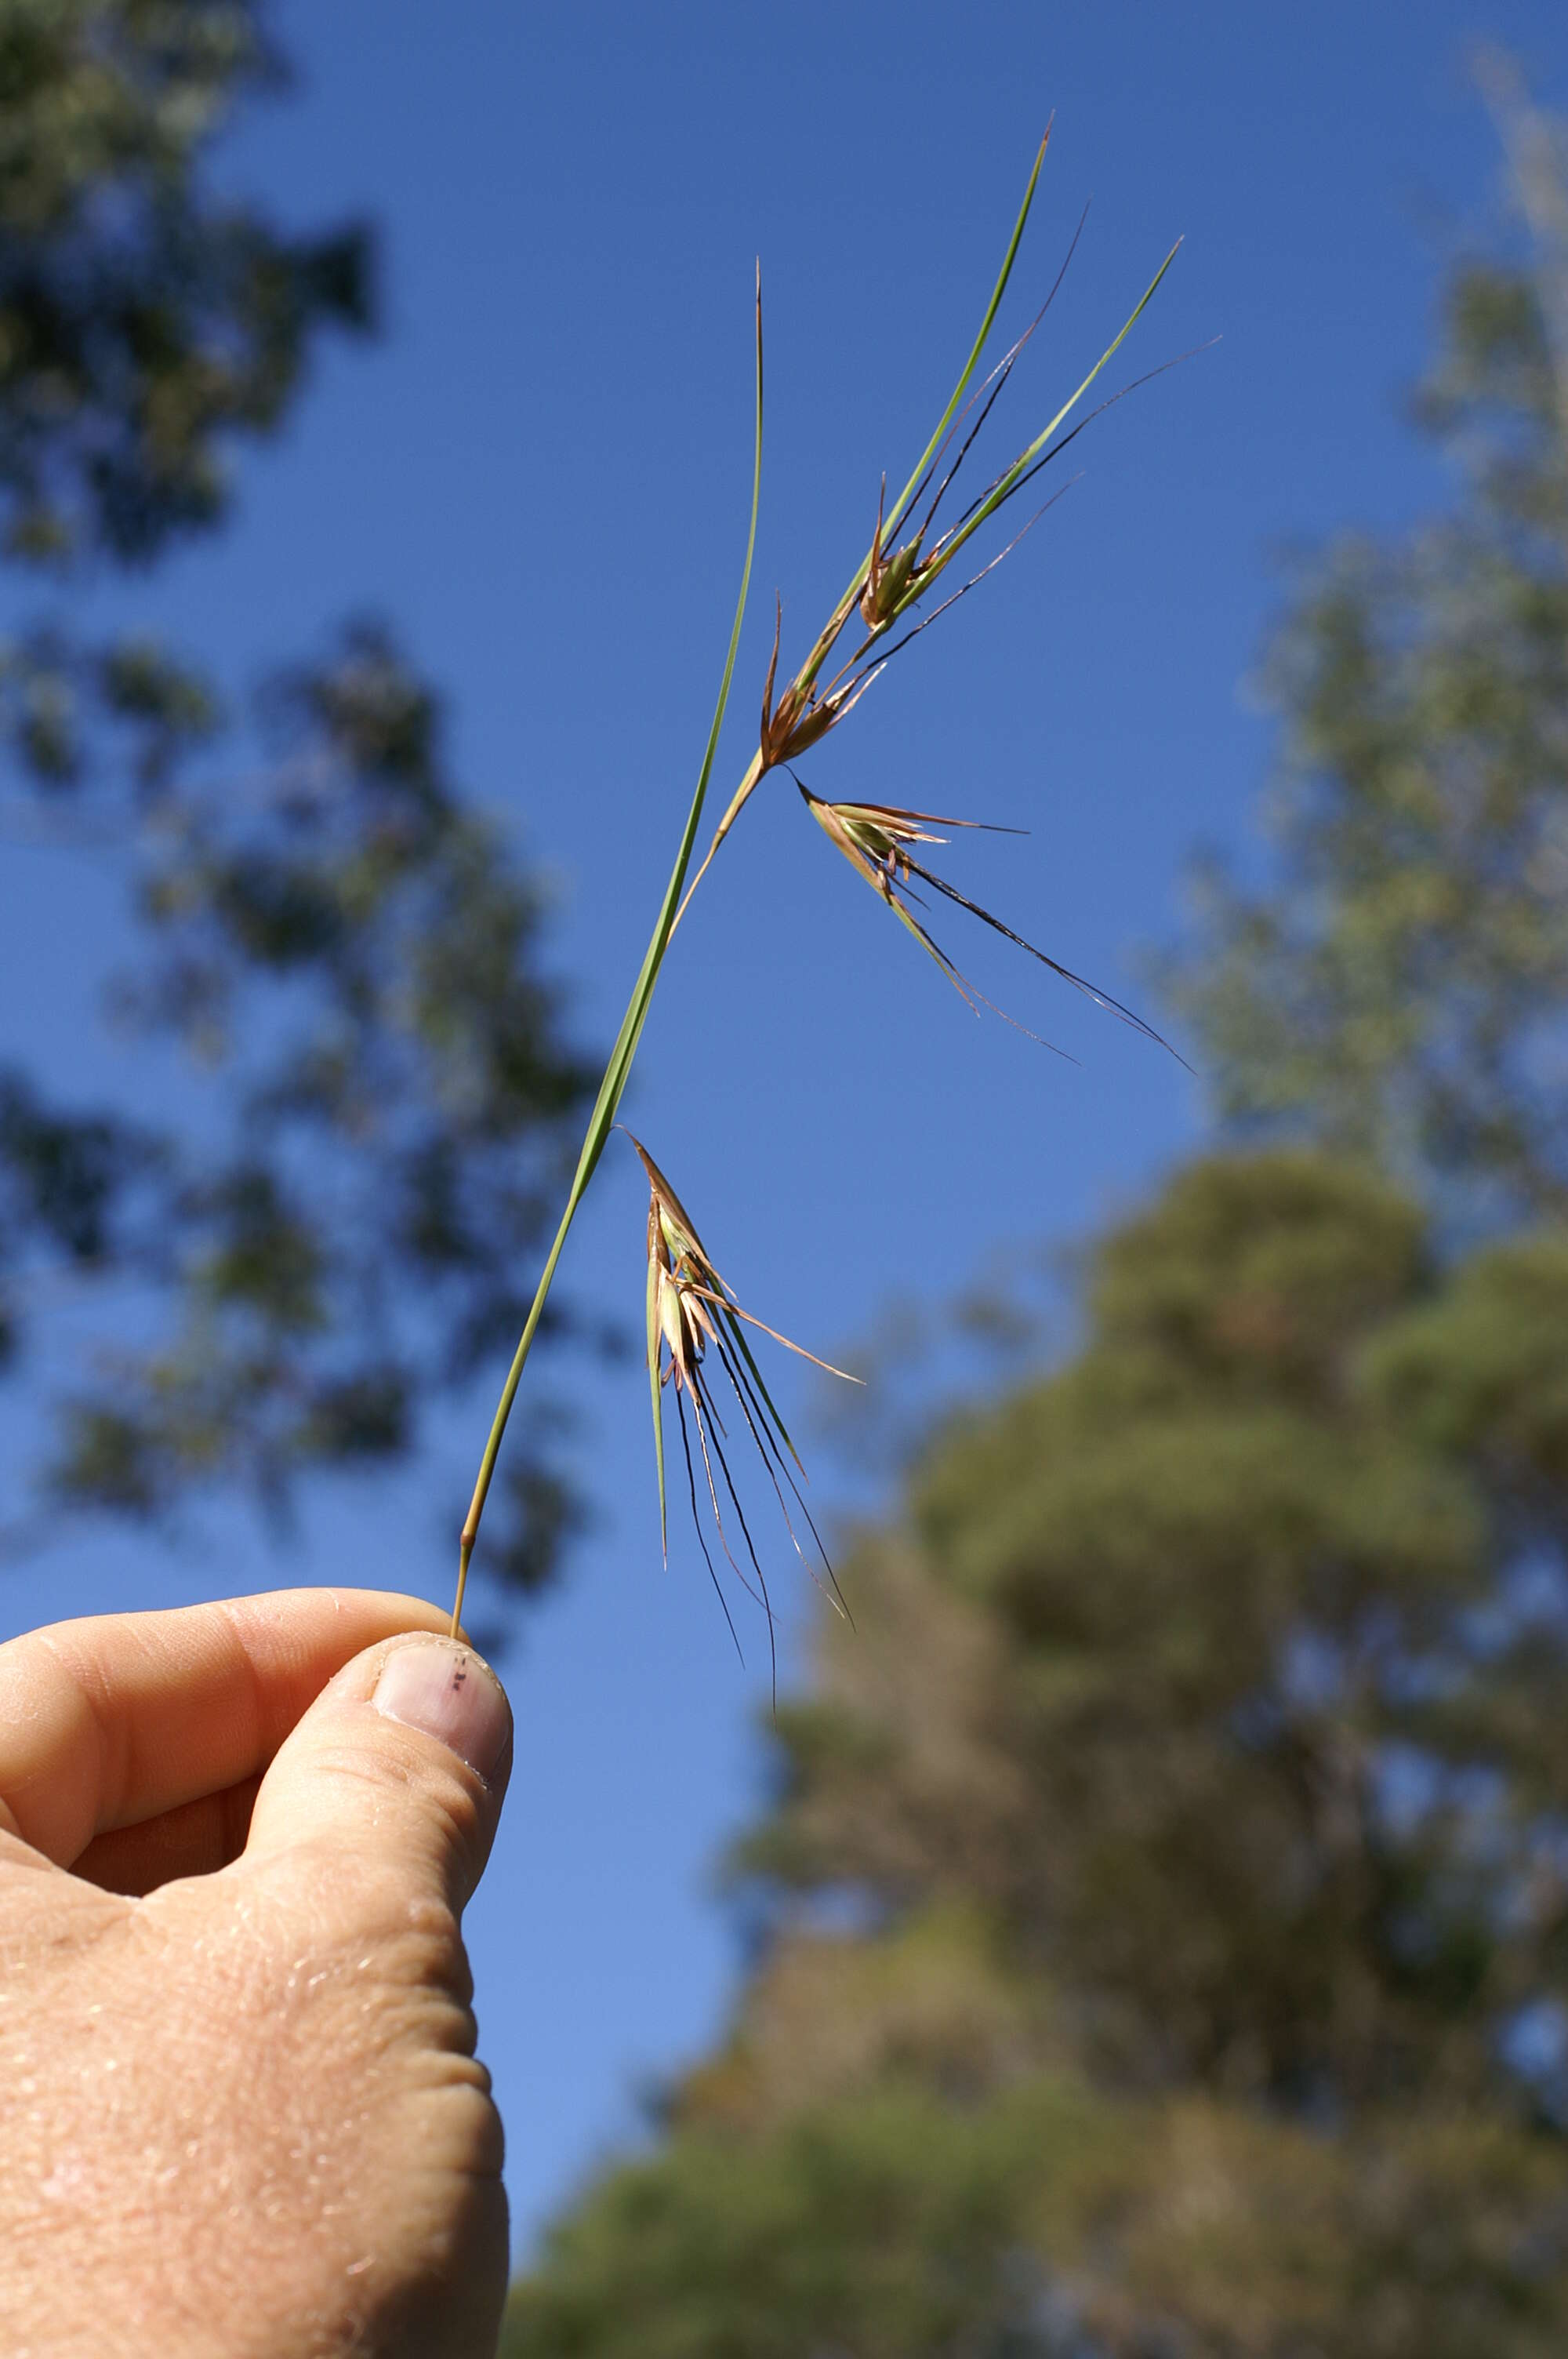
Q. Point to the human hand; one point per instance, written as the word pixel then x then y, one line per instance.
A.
pixel 241 2113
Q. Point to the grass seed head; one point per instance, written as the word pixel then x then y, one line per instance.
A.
pixel 878 840
pixel 805 713
pixel 692 1312
pixel 889 579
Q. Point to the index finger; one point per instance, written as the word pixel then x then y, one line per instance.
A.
pixel 108 1720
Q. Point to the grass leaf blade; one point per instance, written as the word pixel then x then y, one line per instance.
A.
pixel 998 291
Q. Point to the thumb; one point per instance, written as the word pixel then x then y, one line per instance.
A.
pixel 401 1762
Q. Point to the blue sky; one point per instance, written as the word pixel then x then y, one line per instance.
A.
pixel 539 476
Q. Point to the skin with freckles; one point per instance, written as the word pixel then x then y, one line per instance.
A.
pixel 240 2108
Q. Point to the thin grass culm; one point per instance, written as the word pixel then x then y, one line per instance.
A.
pixel 695 1323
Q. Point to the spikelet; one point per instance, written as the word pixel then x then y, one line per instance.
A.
pixel 893 579
pixel 876 840
pixel 691 1312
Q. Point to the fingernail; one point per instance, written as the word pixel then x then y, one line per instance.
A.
pixel 446 1691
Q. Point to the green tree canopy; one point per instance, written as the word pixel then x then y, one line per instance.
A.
pixel 1401 985
pixel 1195 1794
pixel 142 323
pixel 336 1228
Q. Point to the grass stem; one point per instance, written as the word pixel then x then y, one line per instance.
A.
pixel 618 1070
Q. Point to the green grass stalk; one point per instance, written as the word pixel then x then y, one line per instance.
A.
pixel 618 1070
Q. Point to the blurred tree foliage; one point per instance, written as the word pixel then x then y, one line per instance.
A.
pixel 336 1226
pixel 1405 992
pixel 1163 1911
pixel 1166 1894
